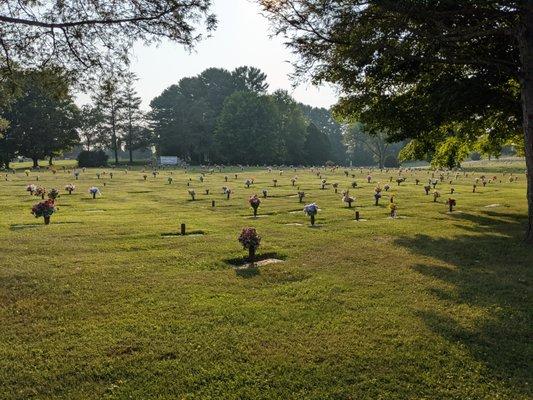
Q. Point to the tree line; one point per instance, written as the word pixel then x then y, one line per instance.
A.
pixel 41 120
pixel 218 116
pixel 228 117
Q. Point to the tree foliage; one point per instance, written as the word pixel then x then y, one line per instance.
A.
pixel 376 142
pixel 184 116
pixel 317 146
pixel 397 61
pixel 247 130
pixel 292 126
pixel 443 73
pixel 92 158
pixel 90 120
pixel 83 37
pixel 206 119
pixel 43 119
pixel 109 105
pixel 324 120
pixel 136 134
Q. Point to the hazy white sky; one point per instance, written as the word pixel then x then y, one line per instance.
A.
pixel 242 38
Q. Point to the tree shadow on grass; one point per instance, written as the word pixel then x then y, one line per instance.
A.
pixel 240 261
pixel 490 270
pixel 17 227
pixel 247 273
pixel 187 233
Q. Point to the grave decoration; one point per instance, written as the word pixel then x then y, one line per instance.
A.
pixel 44 209
pixel 377 194
pixel 451 204
pixel 70 188
pixel 311 210
pixel 250 240
pixel 94 191
pixel 31 189
pixel 255 202
pixel 40 191
pixel 53 194
pixel 346 198
pixel 393 210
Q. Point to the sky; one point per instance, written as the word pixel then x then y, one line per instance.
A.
pixel 242 38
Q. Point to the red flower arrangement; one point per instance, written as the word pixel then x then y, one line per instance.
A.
pixel 44 209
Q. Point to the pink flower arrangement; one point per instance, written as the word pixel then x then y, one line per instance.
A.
pixel 250 240
pixel 254 202
pixel 40 191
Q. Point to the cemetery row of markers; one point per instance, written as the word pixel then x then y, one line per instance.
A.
pixel 47 207
pixel 249 238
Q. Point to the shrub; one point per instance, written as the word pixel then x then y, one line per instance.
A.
pixel 475 156
pixel 391 162
pixel 95 158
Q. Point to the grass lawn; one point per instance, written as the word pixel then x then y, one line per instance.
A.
pixel 108 302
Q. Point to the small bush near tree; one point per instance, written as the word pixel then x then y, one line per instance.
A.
pixel 95 158
pixel 391 162
pixel 475 156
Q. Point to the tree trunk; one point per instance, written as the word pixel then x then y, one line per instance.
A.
pixel 381 161
pixel 35 162
pixel 526 57
pixel 50 161
pixel 114 134
pixel 115 145
pixel 130 138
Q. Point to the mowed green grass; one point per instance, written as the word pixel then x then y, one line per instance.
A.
pixel 102 305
